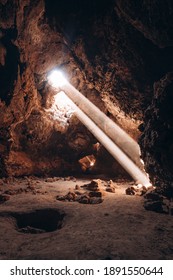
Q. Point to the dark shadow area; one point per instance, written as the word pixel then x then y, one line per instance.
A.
pixel 8 71
pixel 72 16
pixel 39 221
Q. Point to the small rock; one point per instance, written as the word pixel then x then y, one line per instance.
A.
pixel 95 194
pixel 84 199
pixel 143 190
pixel 57 179
pixel 49 180
pixel 70 196
pixel 110 189
pixel 111 184
pixel 130 191
pixel 77 187
pixel 69 178
pixel 90 200
pixel 93 186
pixel 61 198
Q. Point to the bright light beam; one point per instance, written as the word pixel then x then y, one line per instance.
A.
pixel 131 168
pixel 118 135
pixel 122 147
pixel 56 79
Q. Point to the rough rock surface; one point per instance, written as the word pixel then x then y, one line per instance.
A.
pixel 113 52
pixel 157 138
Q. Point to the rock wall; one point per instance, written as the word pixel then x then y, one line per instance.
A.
pixel 157 137
pixel 112 51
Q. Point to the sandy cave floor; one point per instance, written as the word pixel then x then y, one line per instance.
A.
pixel 117 228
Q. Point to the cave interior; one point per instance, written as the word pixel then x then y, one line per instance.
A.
pixel 119 55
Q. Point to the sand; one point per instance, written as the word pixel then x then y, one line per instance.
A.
pixel 119 228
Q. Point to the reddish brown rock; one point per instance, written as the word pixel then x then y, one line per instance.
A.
pixel 130 191
pixel 115 53
pixel 110 189
pixel 93 186
pixel 95 194
pixel 70 196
